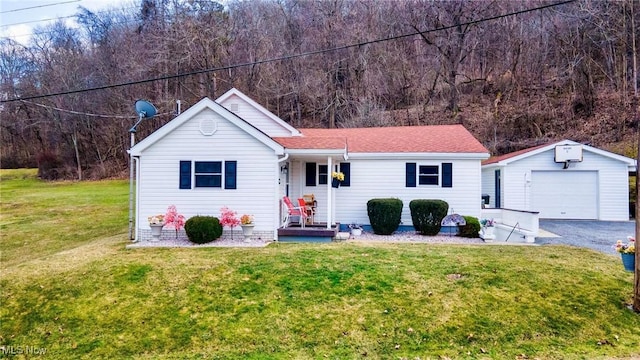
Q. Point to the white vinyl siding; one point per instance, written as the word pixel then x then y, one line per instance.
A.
pixel 489 186
pixel 386 178
pixel 255 117
pixel 256 182
pixel 614 192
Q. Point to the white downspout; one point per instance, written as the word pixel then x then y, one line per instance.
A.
pixel 136 231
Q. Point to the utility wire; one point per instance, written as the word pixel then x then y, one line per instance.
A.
pixel 39 6
pixel 11 37
pixel 36 21
pixel 89 114
pixel 66 17
pixel 288 57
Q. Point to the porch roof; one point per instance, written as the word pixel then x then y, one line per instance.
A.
pixel 312 142
pixel 399 139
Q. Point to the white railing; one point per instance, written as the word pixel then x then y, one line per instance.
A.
pixel 513 225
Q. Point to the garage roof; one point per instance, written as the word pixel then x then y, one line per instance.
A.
pixel 505 159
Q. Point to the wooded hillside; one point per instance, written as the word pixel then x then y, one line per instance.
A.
pixel 515 73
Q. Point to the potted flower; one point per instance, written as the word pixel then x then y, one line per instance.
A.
pixel 228 218
pixel 156 222
pixel 487 228
pixel 627 252
pixel 487 222
pixel 337 178
pixel 172 219
pixel 356 230
pixel 246 222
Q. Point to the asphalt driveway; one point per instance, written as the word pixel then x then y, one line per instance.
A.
pixel 596 235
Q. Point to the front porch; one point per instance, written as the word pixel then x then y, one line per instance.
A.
pixel 316 232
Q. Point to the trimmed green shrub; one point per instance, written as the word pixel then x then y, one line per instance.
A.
pixel 203 229
pixel 471 229
pixel 427 215
pixel 384 215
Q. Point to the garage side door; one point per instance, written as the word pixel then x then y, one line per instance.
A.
pixel 565 194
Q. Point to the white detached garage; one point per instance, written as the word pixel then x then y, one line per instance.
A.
pixel 562 180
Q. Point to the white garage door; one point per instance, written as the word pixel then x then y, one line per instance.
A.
pixel 565 194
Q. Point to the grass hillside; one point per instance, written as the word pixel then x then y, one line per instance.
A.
pixel 74 293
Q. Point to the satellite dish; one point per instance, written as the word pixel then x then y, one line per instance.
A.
pixel 145 109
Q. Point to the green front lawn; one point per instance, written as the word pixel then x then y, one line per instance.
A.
pixel 41 218
pixel 95 299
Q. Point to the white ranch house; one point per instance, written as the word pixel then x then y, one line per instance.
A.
pixel 233 152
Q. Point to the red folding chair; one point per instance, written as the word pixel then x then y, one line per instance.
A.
pixel 298 211
pixel 308 210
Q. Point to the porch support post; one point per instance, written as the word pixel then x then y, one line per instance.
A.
pixel 329 191
pixel 277 219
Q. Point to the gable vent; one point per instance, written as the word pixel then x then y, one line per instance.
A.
pixel 234 107
pixel 208 127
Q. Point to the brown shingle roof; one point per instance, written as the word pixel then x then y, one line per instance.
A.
pixel 401 139
pixel 496 159
pixel 316 143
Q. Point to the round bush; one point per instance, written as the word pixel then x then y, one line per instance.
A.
pixel 427 215
pixel 384 215
pixel 471 229
pixel 203 229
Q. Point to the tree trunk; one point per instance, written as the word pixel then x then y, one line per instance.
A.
pixel 74 138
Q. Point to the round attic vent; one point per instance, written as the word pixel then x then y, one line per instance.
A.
pixel 208 127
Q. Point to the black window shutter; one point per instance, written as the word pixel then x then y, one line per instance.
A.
pixel 345 168
pixel 447 175
pixel 185 174
pixel 230 174
pixel 410 175
pixel 311 174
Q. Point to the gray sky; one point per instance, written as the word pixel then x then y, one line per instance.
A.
pixel 36 11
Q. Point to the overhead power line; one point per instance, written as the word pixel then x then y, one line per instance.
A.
pixel 37 21
pixel 53 31
pixel 59 18
pixel 38 6
pixel 288 57
pixel 89 114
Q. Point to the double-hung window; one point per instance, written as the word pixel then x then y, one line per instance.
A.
pixel 323 174
pixel 321 171
pixel 208 174
pixel 428 175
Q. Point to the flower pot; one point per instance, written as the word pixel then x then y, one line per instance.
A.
pixel 356 232
pixel 488 230
pixel 247 231
pixel 629 261
pixel 487 233
pixel 156 231
pixel 335 183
